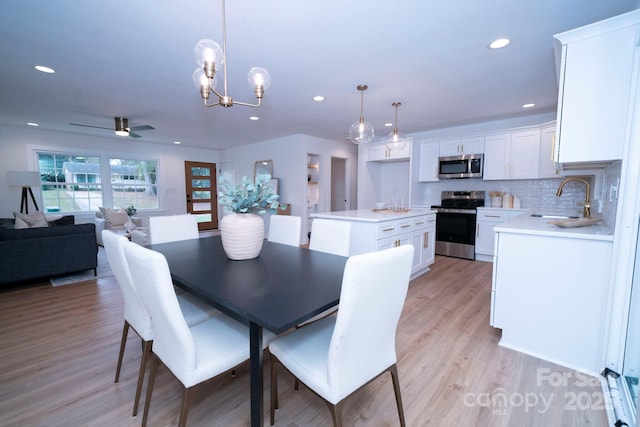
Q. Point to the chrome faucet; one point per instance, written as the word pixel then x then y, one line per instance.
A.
pixel 587 204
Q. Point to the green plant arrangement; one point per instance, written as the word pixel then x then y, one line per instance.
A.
pixel 248 196
pixel 131 211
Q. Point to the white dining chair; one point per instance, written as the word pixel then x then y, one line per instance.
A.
pixel 330 236
pixel 193 353
pixel 333 237
pixel 285 229
pixel 338 355
pixel 172 228
pixel 136 315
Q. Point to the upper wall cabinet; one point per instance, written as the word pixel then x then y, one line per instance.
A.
pixel 378 152
pixel 548 167
pixel 598 70
pixel 457 147
pixel 428 166
pixel 512 155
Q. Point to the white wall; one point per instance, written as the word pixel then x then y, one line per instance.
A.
pixel 289 157
pixel 16 153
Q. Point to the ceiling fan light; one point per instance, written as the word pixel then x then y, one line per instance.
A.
pixel 122 126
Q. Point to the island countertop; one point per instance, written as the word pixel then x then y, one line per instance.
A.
pixel 370 215
pixel 527 224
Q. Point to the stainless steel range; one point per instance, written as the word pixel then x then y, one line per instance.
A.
pixel 456 223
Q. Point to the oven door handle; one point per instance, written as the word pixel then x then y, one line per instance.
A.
pixel 460 211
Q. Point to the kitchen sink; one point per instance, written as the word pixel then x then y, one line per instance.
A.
pixel 554 216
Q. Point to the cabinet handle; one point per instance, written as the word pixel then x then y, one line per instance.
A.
pixel 432 220
pixel 491 216
pixel 462 148
pixel 405 225
pixel 425 239
pixel 396 243
pixel 477 231
pixel 419 222
pixel 388 229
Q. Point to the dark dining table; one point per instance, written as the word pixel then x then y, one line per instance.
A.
pixel 281 288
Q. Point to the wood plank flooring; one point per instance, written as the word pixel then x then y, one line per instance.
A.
pixel 59 346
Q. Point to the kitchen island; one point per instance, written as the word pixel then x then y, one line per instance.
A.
pixel 374 230
pixel 550 290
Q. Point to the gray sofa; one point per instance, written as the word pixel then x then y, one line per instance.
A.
pixel 38 253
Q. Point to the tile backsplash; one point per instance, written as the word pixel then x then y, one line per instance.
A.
pixel 535 193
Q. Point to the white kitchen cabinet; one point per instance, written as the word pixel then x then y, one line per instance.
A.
pixel 548 167
pixel 377 231
pixel 486 220
pixel 459 146
pixel 512 155
pixel 550 297
pixel 378 152
pixel 597 78
pixel 428 162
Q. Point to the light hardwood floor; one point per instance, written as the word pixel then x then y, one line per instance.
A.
pixel 58 351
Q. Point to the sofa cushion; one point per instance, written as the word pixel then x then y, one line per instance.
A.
pixel 32 220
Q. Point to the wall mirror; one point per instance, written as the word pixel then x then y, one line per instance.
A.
pixel 262 167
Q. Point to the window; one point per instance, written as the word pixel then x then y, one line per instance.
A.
pixel 70 183
pixel 75 183
pixel 134 182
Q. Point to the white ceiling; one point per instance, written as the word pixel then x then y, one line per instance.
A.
pixel 135 59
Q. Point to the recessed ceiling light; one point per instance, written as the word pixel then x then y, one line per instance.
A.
pixel 254 118
pixel 177 142
pixel 499 43
pixel 32 124
pixel 528 105
pixel 318 98
pixel 388 125
pixel 44 69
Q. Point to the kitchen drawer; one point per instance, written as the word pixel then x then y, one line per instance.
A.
pixel 492 215
pixel 423 221
pixel 392 228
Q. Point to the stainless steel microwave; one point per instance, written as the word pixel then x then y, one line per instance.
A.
pixel 465 166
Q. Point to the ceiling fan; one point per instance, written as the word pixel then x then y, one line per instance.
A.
pixel 121 128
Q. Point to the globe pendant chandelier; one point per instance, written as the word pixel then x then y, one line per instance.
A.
pixel 396 140
pixel 361 132
pixel 210 57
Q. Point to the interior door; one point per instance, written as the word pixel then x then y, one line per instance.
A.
pixel 202 199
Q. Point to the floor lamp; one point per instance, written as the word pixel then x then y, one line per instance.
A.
pixel 26 180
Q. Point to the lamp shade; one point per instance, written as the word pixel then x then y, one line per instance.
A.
pixel 23 178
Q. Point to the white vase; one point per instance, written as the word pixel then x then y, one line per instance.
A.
pixel 242 235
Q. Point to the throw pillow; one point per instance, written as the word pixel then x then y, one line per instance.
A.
pixel 102 213
pixel 117 218
pixel 32 220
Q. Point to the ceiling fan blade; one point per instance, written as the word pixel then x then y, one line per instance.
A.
pixel 89 126
pixel 143 127
pixel 134 135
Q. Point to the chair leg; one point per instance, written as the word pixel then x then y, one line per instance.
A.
pixel 123 342
pixel 396 388
pixel 336 413
pixel 152 379
pixel 274 388
pixel 146 352
pixel 184 410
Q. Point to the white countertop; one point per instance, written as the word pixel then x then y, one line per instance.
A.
pixel 526 224
pixel 368 215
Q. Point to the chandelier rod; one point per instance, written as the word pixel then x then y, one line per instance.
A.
pixel 224 46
